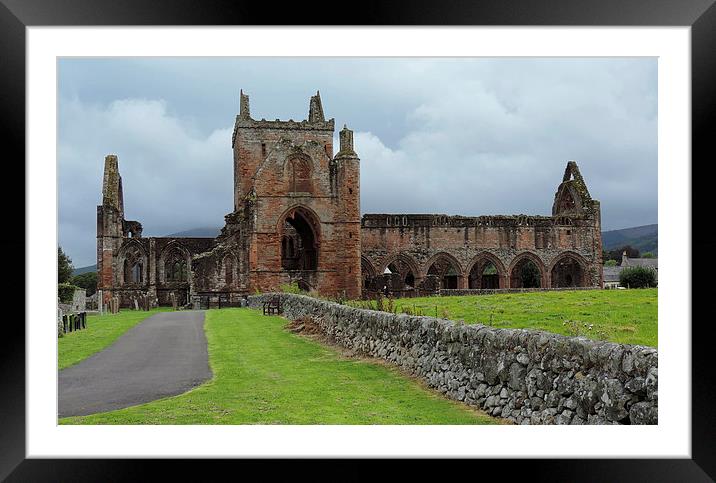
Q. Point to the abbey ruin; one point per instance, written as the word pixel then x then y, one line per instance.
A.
pixel 297 219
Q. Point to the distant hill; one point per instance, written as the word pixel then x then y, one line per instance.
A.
pixel 197 233
pixel 81 270
pixel 643 238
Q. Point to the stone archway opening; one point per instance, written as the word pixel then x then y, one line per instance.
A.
pixel 406 274
pixel 567 272
pixel 490 278
pixel 299 244
pixel 484 275
pixel 446 272
pixel 526 274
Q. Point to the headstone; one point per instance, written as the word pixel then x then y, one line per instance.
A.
pixel 60 330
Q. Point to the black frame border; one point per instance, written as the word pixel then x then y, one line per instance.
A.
pixel 700 15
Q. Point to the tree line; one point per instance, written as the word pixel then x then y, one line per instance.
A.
pixel 67 283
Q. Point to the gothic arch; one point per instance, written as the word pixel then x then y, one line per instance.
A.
pixel 132 259
pixel 567 200
pixel 174 263
pixel 303 226
pixel 568 269
pixel 446 268
pixel 405 265
pixel 477 266
pixel 516 265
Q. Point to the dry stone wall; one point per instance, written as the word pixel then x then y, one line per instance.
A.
pixel 529 377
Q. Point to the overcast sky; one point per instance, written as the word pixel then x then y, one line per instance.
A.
pixel 470 136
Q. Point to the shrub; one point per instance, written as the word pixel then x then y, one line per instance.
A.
pixel 291 288
pixel 65 292
pixel 637 277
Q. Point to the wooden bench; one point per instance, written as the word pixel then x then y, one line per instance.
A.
pixel 273 305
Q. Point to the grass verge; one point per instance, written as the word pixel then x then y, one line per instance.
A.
pixel 101 331
pixel 624 316
pixel 264 374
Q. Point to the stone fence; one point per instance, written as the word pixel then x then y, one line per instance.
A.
pixel 490 291
pixel 526 376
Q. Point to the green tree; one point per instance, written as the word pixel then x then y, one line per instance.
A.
pixel 64 266
pixel 610 263
pixel 637 277
pixel 87 281
pixel 647 255
pixel 530 275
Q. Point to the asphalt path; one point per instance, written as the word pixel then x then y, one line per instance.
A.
pixel 164 355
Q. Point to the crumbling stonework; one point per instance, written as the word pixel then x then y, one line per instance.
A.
pixel 527 376
pixel 297 219
pixel 457 251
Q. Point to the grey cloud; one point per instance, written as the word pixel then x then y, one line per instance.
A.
pixel 461 136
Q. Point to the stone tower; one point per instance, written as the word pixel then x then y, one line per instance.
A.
pixel 300 204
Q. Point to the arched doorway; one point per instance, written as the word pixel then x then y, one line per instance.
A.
pixel 567 272
pixel 299 242
pixel 526 274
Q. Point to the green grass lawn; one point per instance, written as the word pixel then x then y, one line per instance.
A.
pixel 625 316
pixel 101 331
pixel 264 374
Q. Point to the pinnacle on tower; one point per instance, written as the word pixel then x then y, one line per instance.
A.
pixel 346 141
pixel 244 110
pixel 315 110
pixel 112 183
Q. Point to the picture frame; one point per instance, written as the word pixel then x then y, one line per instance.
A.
pixel 700 15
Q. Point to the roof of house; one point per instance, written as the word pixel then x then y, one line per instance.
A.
pixel 641 262
pixel 611 274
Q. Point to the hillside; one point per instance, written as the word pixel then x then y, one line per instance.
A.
pixel 197 233
pixel 643 238
pixel 81 270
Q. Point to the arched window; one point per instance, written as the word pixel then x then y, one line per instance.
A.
pixel 175 266
pixel 137 272
pixel 133 265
